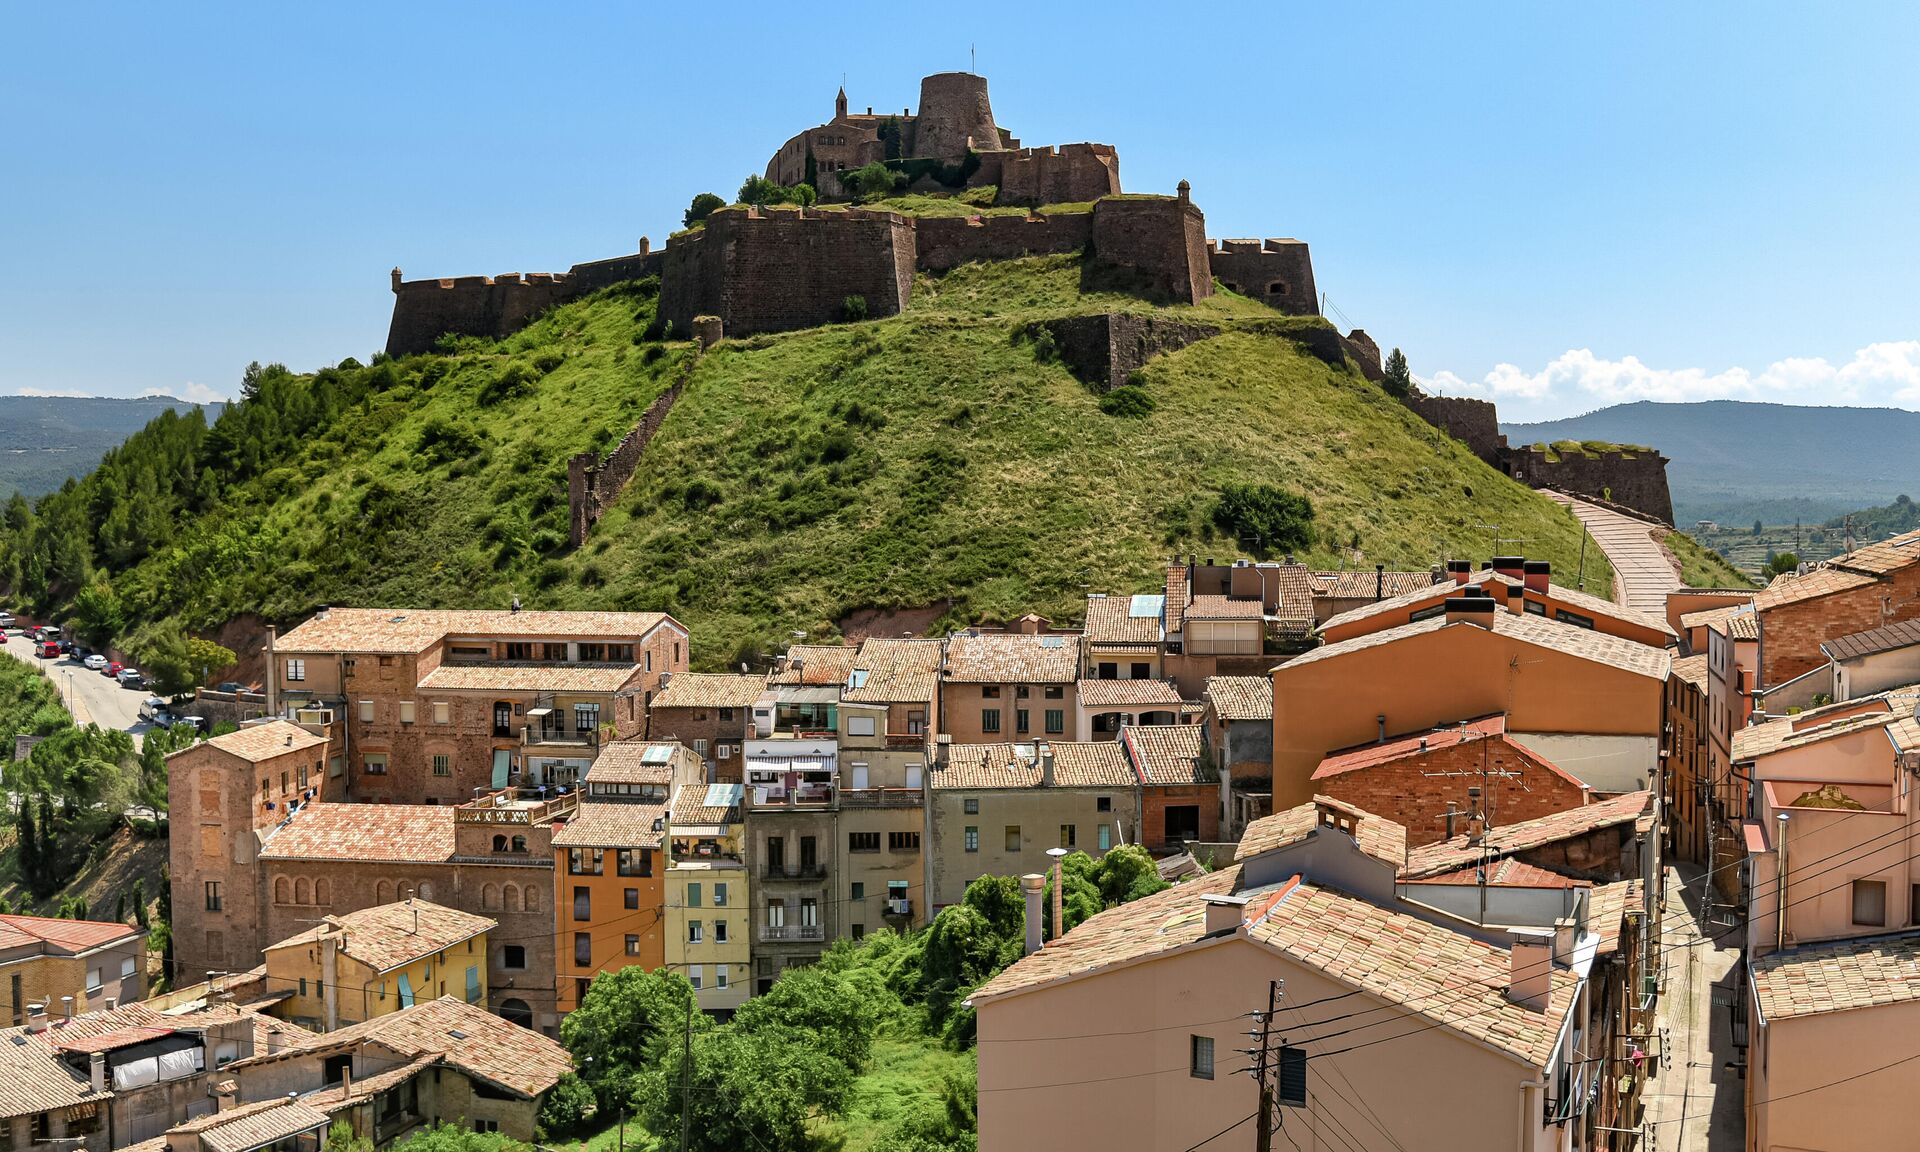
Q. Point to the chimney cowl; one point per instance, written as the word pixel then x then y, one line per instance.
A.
pixel 1470 609
pixel 1032 885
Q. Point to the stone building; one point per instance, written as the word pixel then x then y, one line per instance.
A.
pixel 1008 686
pixel 431 706
pixel 709 713
pixel 57 964
pixel 378 960
pixel 1179 787
pixel 1238 721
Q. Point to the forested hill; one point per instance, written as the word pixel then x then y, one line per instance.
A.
pixel 1735 461
pixel 46 440
pixel 941 461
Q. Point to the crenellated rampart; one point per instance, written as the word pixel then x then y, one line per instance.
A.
pixel 1277 272
pixel 1065 174
pixel 495 306
pixel 776 270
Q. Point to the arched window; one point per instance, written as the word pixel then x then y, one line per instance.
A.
pixel 1277 288
pixel 533 899
pixel 406 890
pixel 302 891
pixel 513 898
pixel 323 891
pixel 518 1012
pixel 490 896
pixel 426 890
pixel 519 843
pixel 282 891
pixel 383 893
pixel 499 843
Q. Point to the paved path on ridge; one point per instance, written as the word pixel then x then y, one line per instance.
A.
pixel 1642 574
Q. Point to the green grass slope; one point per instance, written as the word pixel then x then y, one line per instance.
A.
pixel 934 460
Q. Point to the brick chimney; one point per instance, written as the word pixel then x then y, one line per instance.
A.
pixel 1032 886
pixel 1530 968
pixel 1471 610
pixel 1513 567
pixel 1539 572
pixel 1459 570
pixel 1224 913
pixel 1046 764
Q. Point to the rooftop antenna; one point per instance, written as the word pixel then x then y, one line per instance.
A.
pixel 971 65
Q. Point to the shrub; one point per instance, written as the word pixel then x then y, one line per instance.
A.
pixel 443 441
pixel 513 381
pixel 652 354
pixel 700 494
pixel 548 361
pixel 701 208
pixel 1270 519
pixel 1128 400
pixel 872 181
pixel 854 308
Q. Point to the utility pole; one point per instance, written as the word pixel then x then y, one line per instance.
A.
pixel 686 1080
pixel 1263 1138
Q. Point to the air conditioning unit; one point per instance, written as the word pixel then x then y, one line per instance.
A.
pixel 313 716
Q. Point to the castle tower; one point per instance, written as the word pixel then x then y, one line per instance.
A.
pixel 954 115
pixel 840 104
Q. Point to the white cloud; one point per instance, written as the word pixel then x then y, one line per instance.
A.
pixel 62 393
pixel 1887 373
pixel 190 392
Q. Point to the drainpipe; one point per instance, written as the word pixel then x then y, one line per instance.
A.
pixel 1780 888
pixel 273 678
pixel 330 972
pixel 1527 1089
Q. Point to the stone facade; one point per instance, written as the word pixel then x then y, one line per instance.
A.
pixel 1474 423
pixel 776 270
pixel 1068 174
pixel 594 483
pixel 495 306
pixel 1162 238
pixel 1637 479
pixel 1107 349
pixel 1278 273
pixel 946 242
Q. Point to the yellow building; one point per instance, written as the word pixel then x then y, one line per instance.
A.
pixel 378 960
pixel 706 895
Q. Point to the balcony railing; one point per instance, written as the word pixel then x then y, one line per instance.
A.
pixel 792 932
pixel 906 740
pixel 816 871
pixel 880 798
pixel 800 796
pixel 536 736
pixel 517 806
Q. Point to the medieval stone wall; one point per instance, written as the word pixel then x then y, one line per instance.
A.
pixel 1068 174
pixel 1163 238
pixel 1365 353
pixel 1474 423
pixel 1278 273
pixel 424 310
pixel 954 116
pixel 1635 479
pixel 593 483
pixel 773 271
pixel 944 242
pixel 1106 349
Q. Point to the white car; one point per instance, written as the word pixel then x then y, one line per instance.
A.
pixel 95 662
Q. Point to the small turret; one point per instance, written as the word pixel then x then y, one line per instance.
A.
pixel 840 104
pixel 1186 192
pixel 396 278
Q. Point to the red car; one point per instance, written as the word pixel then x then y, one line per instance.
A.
pixel 49 650
pixel 113 668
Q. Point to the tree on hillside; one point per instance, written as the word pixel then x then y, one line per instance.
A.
pixel 743 1089
pixel 445 1137
pixel 1780 563
pixel 623 1025
pixel 174 661
pixel 702 207
pixel 871 181
pixel 97 613
pixel 1757 526
pixel 760 191
pixel 1264 518
pixel 828 1006
pixel 1398 380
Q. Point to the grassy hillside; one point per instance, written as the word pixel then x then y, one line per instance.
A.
pixel 936 459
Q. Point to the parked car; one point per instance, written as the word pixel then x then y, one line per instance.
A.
pixel 199 722
pixel 95 662
pixel 131 678
pixel 66 646
pixel 48 650
pixel 6 619
pixel 231 686
pixel 154 711
pixel 113 668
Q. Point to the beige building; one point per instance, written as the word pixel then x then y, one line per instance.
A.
pixel 995 809
pixel 1009 686
pixel 378 960
pixel 82 965
pixel 709 935
pixel 886 708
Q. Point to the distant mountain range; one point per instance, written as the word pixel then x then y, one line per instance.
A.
pixel 1735 461
pixel 46 439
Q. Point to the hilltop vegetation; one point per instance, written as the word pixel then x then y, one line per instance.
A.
pixel 942 459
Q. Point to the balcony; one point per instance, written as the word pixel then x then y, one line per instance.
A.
pixel 558 738
pixel 880 798
pixel 816 871
pixel 521 807
pixel 906 741
pixel 774 933
pixel 777 796
pixel 899 907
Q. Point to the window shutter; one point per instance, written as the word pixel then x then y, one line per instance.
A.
pixel 1293 1077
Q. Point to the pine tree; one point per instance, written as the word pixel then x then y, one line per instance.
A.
pixel 1398 381
pixel 140 901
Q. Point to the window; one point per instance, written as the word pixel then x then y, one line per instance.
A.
pixel 973 839
pixel 1141 671
pixel 442 764
pixel 1536 607
pixel 303 986
pixel 693 895
pixel 1022 691
pixel 1870 902
pixel 1426 613
pixel 582 903
pixel 1056 721
pixel 1574 618
pixel 633 944
pixel 631 898
pixel 699 747
pixel 719 975
pixel 859 931
pixel 776 853
pixel 1103 804
pixel 695 974
pixel 1022 722
pixel 502 718
pixel 989 719
pixel 406 711
pixel 903 841
pixel 809 912
pixel 971 806
pixel 519 650
pixel 486 1125
pixel 513 956
pixel 1915 906
pixel 213 895
pixel 694 935
pixel 586 717
pixel 623 654
pixel 1055 692
pixel 374 763
pixel 809 855
pixel 859 725
pixel 1109 670
pixel 858 891
pixel 1200 1062
pixel 552 651
pixel 776 913
pixel 635 862
pixel 1067 833
pixel 1105 837
pixel 1183 822
pixel 583 949
pixel 720 894
pixel 585 861
pixel 296 670
pixel 990 691
pixel 719 931
pixel 726 715
pixel 863 841
pixel 1013 837
pixel 366 711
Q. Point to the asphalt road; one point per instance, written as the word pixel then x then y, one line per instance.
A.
pixel 89 695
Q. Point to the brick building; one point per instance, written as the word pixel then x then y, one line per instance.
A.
pixel 1422 780
pixel 1179 788
pixel 1865 589
pixel 1607 841
pixel 709 713
pixel 1517 585
pixel 1008 686
pixel 430 706
pixel 1688 777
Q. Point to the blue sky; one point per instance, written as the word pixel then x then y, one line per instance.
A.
pixel 1559 206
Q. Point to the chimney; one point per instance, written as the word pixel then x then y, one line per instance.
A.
pixel 1046 764
pixel 646 245
pixel 112 1003
pixel 942 751
pixel 1460 570
pixel 274 1040
pixel 1453 814
pixel 1514 567
pixel 66 1007
pixel 346 1083
pixel 1031 885
pixel 1565 932
pixel 1379 581
pixel 1225 913
pixel 36 1019
pixel 1530 968
pixel 223 1094
pixel 97 1071
pixel 1381 720
pixel 1539 572
pixel 1471 610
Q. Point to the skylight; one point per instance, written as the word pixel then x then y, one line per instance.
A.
pixel 657 754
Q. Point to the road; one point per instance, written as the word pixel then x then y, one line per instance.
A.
pixel 89 695
pixel 1642 574
pixel 1694 1101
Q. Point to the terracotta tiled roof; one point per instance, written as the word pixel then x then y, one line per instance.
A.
pixel 1823 581
pixel 68 935
pixel 1224 608
pixel 331 1100
pixel 1377 836
pixel 1892 637
pixel 1176 595
pixel 114 1040
pixel 1240 697
pixel 1169 754
pixel 819 664
pixel 1094 764
pixel 893 672
pixel 252 1126
pixel 323 830
pixel 1574 599
pixel 1584 643
pixel 710 690
pixel 1013 658
pixel 33 1077
pixel 257 742
pixel 1692 669
pixel 1112 619
pixel 465 1036
pixel 402 630
pixel 625 762
pixel 1607 906
pixel 1355 584
pixel 1508 873
pixel 1882 556
pixel 1736 620
pixel 1818 724
pixel 389 936
pixel 1127 693
pixel 1414 744
pixel 1866 972
pixel 613 824
pixel 694 804
pixel 1450 855
pixel 530 677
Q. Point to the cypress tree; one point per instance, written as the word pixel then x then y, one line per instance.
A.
pixel 29 846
